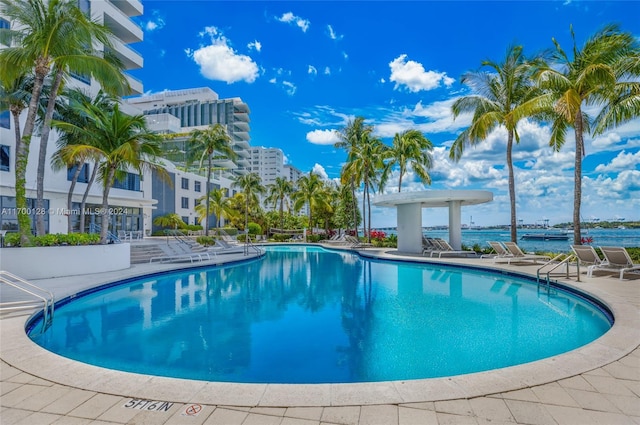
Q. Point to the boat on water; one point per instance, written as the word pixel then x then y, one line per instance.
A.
pixel 545 236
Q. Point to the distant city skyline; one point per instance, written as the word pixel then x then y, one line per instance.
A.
pixel 305 69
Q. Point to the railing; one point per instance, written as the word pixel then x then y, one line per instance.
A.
pixel 553 264
pixel 44 297
pixel 94 228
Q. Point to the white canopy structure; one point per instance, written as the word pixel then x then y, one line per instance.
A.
pixel 409 213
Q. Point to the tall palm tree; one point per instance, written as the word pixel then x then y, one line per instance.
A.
pixel 122 142
pixel 598 74
pixel 312 192
pixel 351 137
pixel 499 100
pixel 366 164
pixel 279 191
pixel 251 187
pixel 219 205
pixel 51 38
pixel 207 145
pixel 69 112
pixel 409 149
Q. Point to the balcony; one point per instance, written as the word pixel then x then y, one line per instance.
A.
pixel 136 85
pixel 163 123
pixel 120 24
pixel 129 7
pixel 129 57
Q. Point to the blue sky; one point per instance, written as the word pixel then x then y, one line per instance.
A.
pixel 306 68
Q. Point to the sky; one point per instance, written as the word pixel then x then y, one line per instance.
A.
pixel 306 68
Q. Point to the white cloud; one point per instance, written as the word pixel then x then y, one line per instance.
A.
pixel 413 75
pixel 312 70
pixel 323 137
pixel 292 19
pixel 327 70
pixel 332 33
pixel 255 45
pixel 289 87
pixel 219 61
pixel 155 23
pixel 624 161
pixel 320 171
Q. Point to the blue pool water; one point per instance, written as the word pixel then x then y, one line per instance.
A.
pixel 309 315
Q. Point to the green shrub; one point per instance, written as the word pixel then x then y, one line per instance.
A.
pixel 314 238
pixel 255 229
pixel 12 239
pixel 206 240
pixel 279 237
pixel 55 239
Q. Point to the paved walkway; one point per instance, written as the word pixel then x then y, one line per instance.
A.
pixel 596 384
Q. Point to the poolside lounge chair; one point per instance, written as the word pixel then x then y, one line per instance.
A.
pixel 499 251
pixel 517 255
pixel 617 259
pixel 172 253
pixel 447 250
pixel 587 256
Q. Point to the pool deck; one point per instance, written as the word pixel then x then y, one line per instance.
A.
pixel 595 384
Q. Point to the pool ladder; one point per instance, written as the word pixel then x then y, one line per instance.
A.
pixel 39 297
pixel 552 265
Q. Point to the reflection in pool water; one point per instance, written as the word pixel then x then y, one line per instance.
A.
pixel 307 315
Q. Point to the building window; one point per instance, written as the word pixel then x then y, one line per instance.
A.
pixel 4 24
pixel 5 119
pixel 185 219
pixel 196 186
pixel 83 78
pixel 185 202
pixel 5 157
pixel 83 177
pixel 129 182
pixel 185 183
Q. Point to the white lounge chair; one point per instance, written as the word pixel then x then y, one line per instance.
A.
pixel 447 250
pixel 499 250
pixel 517 255
pixel 587 256
pixel 617 259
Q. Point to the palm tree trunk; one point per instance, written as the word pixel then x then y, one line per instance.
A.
pixel 369 220
pixel 42 154
pixel 104 227
pixel 207 198
pixel 400 179
pixel 83 203
pixel 72 187
pixel 512 187
pixel 577 198
pixel 354 206
pixel 364 210
pixel 281 213
pixel 22 153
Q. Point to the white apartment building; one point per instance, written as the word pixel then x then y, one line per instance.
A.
pixel 132 197
pixel 180 112
pixel 268 163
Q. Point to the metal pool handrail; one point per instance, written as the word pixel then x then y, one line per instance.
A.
pixel 43 295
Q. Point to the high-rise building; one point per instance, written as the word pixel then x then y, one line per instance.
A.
pixel 131 197
pixel 268 163
pixel 181 111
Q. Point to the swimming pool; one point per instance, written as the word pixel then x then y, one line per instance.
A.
pixel 309 315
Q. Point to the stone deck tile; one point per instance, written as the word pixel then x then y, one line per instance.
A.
pixel 450 419
pixel 311 413
pixel 23 392
pixel 44 398
pixel 68 402
pixel 255 419
pixel 554 394
pixel 96 406
pixel 609 385
pixel 185 415
pixel 529 413
pixel 492 409
pixel 343 415
pixel 412 416
pixel 593 401
pixel 455 407
pixel 298 421
pixel 222 416
pixel 382 414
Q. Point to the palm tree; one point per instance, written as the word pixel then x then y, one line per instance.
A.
pixel 409 148
pixel 251 188
pixel 122 142
pixel 209 144
pixel 77 158
pixel 279 191
pixel 600 74
pixel 500 101
pixel 365 164
pixel 312 192
pixel 350 138
pixel 219 205
pixel 51 38
pixel 171 220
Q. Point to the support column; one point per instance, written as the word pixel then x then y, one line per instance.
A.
pixel 409 224
pixel 455 224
